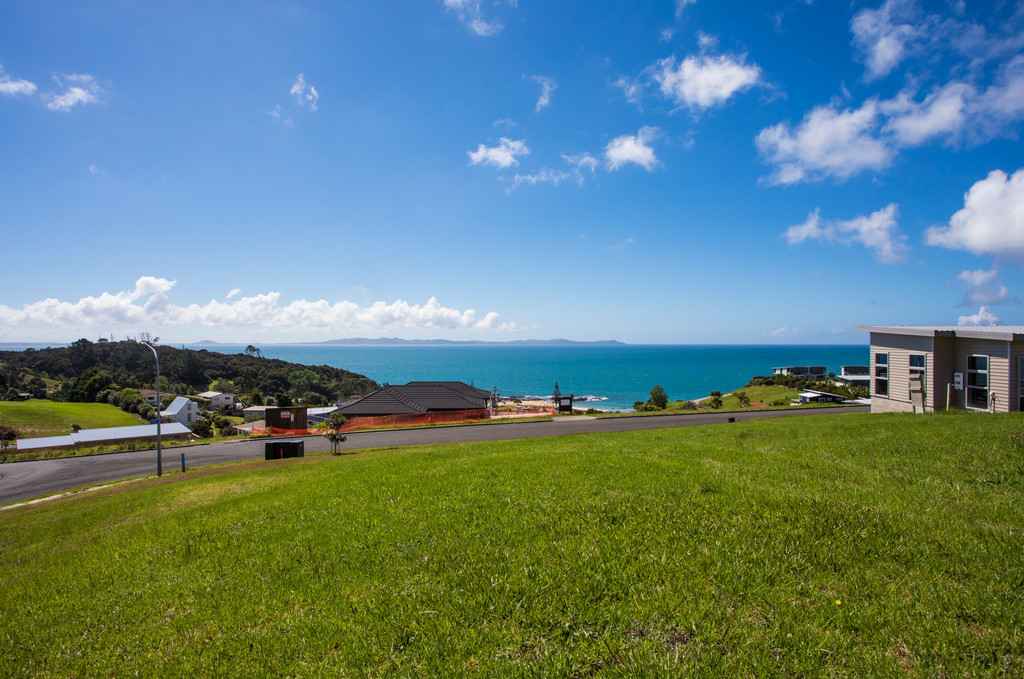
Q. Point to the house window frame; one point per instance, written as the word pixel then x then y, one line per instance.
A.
pixel 880 373
pixel 976 374
pixel 1020 383
pixel 917 369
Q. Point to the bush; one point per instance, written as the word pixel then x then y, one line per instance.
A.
pixel 688 405
pixel 658 399
pixel 202 429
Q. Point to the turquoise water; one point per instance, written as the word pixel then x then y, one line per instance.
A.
pixel 618 375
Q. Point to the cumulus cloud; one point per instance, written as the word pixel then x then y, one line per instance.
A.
pixel 983 317
pixel 828 142
pixel 547 86
pixel 15 88
pixel 79 89
pixel 705 81
pixel 983 287
pixel 502 156
pixel 991 221
pixel 633 148
pixel 148 304
pixel 834 142
pixel 471 16
pixel 878 232
pixel 306 97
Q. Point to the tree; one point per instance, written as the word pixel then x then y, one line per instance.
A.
pixel 659 399
pixel 334 422
pixel 556 393
pixel 283 400
pixel 716 400
pixel 743 398
pixel 253 351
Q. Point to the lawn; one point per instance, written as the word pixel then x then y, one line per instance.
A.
pixel 854 545
pixel 37 417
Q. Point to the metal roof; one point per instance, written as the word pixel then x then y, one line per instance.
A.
pixel 176 405
pixel 1007 333
pixel 105 434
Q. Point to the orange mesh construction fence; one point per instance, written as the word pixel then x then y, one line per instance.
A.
pixel 418 419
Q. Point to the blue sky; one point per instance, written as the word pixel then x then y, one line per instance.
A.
pixel 664 172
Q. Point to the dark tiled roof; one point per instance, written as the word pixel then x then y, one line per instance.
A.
pixel 418 397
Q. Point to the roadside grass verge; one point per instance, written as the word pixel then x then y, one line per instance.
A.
pixel 38 417
pixel 861 545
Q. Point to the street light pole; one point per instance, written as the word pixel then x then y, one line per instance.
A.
pixel 159 461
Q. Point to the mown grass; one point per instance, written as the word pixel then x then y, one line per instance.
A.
pixel 855 545
pixel 37 417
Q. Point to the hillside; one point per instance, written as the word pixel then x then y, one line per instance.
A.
pixel 130 364
pixel 861 545
pixel 37 417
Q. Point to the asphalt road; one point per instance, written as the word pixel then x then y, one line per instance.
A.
pixel 21 481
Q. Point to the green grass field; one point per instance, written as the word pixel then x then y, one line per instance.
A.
pixel 37 417
pixel 850 546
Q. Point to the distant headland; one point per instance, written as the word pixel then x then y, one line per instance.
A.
pixel 397 341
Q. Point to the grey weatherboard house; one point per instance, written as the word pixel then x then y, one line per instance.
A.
pixel 916 368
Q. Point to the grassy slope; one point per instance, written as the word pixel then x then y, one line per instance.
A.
pixel 850 545
pixel 36 417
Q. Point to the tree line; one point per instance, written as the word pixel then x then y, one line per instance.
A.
pixel 85 371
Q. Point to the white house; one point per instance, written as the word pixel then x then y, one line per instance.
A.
pixel 181 410
pixel 218 400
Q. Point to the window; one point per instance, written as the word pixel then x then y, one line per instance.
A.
pixel 881 374
pixel 1020 383
pixel 917 363
pixel 977 382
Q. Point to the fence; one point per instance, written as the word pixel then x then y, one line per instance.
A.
pixel 383 421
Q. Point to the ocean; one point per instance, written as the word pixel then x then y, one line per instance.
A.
pixel 612 376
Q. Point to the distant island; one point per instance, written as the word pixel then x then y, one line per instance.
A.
pixel 397 341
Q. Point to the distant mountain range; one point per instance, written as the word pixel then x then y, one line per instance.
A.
pixel 397 341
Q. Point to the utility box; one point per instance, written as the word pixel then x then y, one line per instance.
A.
pixel 276 450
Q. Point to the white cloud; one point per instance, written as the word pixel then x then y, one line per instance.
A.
pixel 471 16
pixel 842 143
pixel 633 89
pixel 96 171
pixel 502 156
pixel 991 221
pixel 79 88
pixel 234 291
pixel 784 331
pixel 942 113
pixel 702 82
pixel 899 30
pixel 878 232
pixel 15 88
pixel 547 86
pixel 307 98
pixel 148 304
pixel 624 244
pixel 545 175
pixel 885 35
pixel 828 142
pixel 582 161
pixel 983 287
pixel 630 148
pixel 983 317
pixel 681 5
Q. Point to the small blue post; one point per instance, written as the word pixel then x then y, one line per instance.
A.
pixel 183 463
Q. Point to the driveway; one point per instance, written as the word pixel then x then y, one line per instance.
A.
pixel 21 481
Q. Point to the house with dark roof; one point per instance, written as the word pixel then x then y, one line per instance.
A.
pixel 416 398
